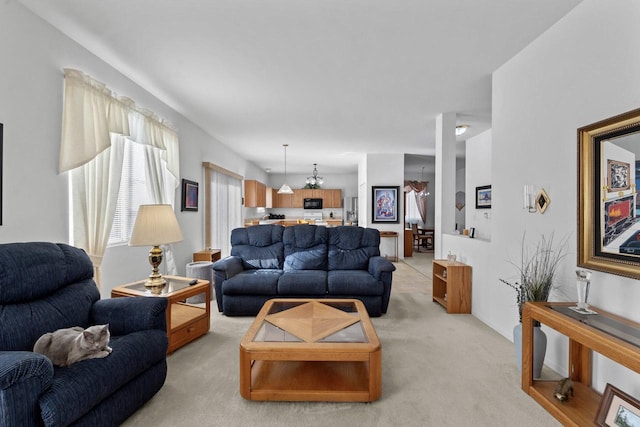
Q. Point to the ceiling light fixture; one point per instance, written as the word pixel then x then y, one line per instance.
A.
pixel 285 189
pixel 314 181
pixel 460 129
pixel 424 193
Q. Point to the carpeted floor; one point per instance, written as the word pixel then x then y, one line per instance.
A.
pixel 438 370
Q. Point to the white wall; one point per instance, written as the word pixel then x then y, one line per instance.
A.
pixel 582 70
pixel 479 151
pixel 385 170
pixel 35 199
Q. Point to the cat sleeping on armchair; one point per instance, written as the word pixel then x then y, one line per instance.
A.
pixel 71 345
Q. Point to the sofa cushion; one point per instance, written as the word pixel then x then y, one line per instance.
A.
pixel 259 246
pixel 79 387
pixel 302 283
pixel 253 282
pixel 353 282
pixel 22 324
pixel 350 248
pixel 305 247
pixel 33 270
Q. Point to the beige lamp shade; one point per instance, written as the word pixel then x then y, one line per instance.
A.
pixel 155 225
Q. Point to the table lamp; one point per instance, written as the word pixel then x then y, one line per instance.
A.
pixel 155 225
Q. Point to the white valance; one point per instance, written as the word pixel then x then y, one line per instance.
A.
pixel 91 112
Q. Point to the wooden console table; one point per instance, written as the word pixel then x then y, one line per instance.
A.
pixel 580 410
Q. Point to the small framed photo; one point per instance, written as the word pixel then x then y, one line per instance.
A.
pixel 618 175
pixel 189 195
pixel 483 197
pixel 617 409
pixel 385 204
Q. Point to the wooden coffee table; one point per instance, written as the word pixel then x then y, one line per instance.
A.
pixel 185 322
pixel 311 350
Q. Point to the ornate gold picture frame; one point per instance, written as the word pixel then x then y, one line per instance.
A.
pixel 608 202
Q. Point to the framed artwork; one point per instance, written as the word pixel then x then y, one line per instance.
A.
pixel 617 175
pixel 608 231
pixel 542 201
pixel 617 408
pixel 189 195
pixel 483 197
pixel 385 204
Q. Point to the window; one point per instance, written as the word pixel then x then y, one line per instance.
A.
pixel 412 214
pixel 133 193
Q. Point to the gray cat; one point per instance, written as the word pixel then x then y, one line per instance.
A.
pixel 67 346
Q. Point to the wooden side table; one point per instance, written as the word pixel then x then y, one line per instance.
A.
pixel 393 235
pixel 185 322
pixel 207 255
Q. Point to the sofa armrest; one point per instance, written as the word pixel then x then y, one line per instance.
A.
pixel 229 266
pixel 24 376
pixel 130 314
pixel 224 269
pixel 379 265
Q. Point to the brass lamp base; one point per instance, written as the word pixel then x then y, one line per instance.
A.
pixel 155 278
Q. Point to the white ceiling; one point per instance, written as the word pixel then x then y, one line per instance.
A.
pixel 331 78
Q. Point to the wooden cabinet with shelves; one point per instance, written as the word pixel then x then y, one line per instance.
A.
pixel 255 194
pixel 584 338
pixel 452 285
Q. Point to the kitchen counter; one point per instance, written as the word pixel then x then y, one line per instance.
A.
pixel 328 222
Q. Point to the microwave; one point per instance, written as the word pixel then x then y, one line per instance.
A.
pixel 313 203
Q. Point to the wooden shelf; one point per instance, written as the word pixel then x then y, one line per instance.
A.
pixel 452 286
pixel 579 410
pixel 310 381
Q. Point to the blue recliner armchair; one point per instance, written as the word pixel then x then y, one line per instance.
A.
pixel 47 286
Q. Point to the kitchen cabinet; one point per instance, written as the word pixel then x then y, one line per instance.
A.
pixel 255 194
pixel 281 200
pixel 297 198
pixel 332 198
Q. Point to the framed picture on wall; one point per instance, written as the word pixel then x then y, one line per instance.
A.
pixel 483 197
pixel 385 204
pixel 189 195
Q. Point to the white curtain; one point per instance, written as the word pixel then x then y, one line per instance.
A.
pixel 94 187
pixel 93 118
pixel 225 205
pixel 161 187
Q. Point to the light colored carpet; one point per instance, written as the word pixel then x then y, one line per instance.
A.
pixel 438 370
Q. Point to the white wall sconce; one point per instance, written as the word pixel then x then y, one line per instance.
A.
pixel 529 198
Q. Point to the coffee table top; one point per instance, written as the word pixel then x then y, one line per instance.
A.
pixel 311 322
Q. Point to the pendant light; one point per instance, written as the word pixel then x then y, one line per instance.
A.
pixel 285 189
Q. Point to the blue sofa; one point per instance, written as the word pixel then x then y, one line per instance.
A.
pixel 47 286
pixel 302 261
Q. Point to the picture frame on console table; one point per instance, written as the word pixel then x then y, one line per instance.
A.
pixel 617 408
pixel 608 181
pixel 189 195
pixel 384 206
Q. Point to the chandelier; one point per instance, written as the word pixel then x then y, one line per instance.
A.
pixel 424 193
pixel 314 181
